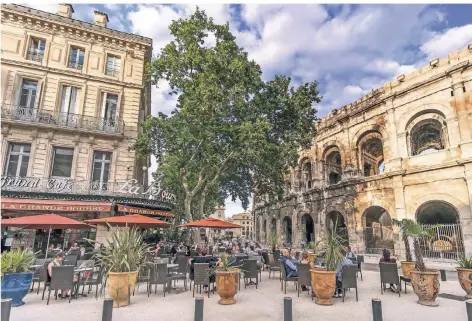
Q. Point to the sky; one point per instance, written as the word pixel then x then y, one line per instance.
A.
pixel 349 49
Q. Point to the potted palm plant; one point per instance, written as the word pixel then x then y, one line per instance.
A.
pixel 227 277
pixel 323 281
pixel 464 273
pixel 274 241
pixel 311 246
pixel 16 275
pixel 409 264
pixel 425 282
pixel 120 260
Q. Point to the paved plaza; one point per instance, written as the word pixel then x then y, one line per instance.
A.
pixel 265 303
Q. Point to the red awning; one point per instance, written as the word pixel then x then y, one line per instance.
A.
pixel 45 221
pixel 143 211
pixel 130 220
pixel 212 223
pixel 54 205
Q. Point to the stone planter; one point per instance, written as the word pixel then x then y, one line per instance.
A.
pixel 465 279
pixel 15 286
pixel 323 283
pixel 119 286
pixel 227 286
pixel 407 267
pixel 426 286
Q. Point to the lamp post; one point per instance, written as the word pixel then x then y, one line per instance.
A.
pixel 144 175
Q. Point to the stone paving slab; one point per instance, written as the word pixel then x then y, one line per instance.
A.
pixel 265 304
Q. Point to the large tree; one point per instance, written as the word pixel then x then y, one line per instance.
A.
pixel 230 133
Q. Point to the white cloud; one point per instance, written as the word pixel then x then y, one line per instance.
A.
pixel 232 208
pixel 444 43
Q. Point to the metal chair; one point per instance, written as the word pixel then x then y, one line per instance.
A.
pixel 258 258
pixel 70 260
pixel 91 281
pixel 265 256
pixel 285 278
pixel 62 278
pixel 143 275
pixel 250 272
pixel 389 275
pixel 304 277
pixel 181 273
pixel 349 279
pixel 359 260
pixel 37 274
pixel 158 274
pixel 166 256
pixel 274 266
pixel 201 277
pixel 44 276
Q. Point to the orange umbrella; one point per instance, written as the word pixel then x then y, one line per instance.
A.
pixel 212 223
pixel 44 221
pixel 130 220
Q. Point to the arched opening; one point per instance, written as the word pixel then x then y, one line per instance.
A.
pixel 378 231
pixel 335 220
pixel 427 136
pixel 333 165
pixel 287 229
pixel 273 226
pixel 308 227
pixel 306 174
pixel 443 219
pixel 371 157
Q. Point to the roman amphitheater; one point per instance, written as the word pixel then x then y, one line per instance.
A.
pixel 402 151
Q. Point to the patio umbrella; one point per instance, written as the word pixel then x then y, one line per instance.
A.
pixel 211 223
pixel 135 220
pixel 44 221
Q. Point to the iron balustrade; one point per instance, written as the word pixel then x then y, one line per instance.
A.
pixel 112 72
pixel 65 120
pixel 75 65
pixel 35 55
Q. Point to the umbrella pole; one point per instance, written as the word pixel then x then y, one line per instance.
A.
pixel 47 246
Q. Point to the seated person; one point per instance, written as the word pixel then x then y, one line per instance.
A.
pixel 81 253
pixel 290 267
pixel 387 259
pixel 293 256
pixel 339 276
pixel 202 258
pixel 350 254
pixel 305 259
pixel 59 258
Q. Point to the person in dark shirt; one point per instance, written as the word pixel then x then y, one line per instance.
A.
pixel 387 259
pixel 202 258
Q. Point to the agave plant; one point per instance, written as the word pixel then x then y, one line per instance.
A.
pixel 464 263
pixel 311 245
pixel 16 261
pixel 334 248
pixel 224 265
pixel 274 240
pixel 403 225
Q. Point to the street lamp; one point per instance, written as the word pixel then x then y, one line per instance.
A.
pixel 144 174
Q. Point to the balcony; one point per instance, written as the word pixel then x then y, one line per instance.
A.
pixel 114 72
pixel 19 114
pixel 35 55
pixel 74 65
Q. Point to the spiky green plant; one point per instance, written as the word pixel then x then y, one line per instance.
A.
pixel 16 261
pixel 416 232
pixel 464 263
pixel 274 240
pixel 403 224
pixel 334 248
pixel 224 265
pixel 311 245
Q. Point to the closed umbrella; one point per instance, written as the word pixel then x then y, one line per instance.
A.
pixel 44 221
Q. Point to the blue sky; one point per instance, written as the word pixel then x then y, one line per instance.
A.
pixel 349 49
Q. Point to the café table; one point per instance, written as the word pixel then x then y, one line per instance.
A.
pixel 80 271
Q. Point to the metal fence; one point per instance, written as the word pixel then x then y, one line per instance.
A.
pixel 378 238
pixel 447 242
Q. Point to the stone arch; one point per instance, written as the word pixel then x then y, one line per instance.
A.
pixel 427 132
pixel 370 128
pixel 406 118
pixel 378 229
pixel 337 219
pixel 287 229
pixel 461 206
pixel 437 212
pixel 307 226
pixel 305 173
pixel 333 163
pixel 370 153
pixel 388 206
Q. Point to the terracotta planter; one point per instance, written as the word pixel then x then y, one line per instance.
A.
pixel 227 286
pixel 407 267
pixel 119 286
pixel 324 284
pixel 311 257
pixel 426 286
pixel 465 279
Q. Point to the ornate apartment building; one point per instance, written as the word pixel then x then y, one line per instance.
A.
pixel 402 151
pixel 73 94
pixel 244 219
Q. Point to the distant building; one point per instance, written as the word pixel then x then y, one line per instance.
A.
pixel 244 219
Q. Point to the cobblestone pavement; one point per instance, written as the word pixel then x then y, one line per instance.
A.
pixel 265 303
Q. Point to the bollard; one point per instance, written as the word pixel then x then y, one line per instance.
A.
pixel 443 275
pixel 377 309
pixel 199 309
pixel 107 309
pixel 6 308
pixel 468 305
pixel 288 309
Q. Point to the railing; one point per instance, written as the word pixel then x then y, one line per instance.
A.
pixel 131 188
pixel 66 120
pixel 447 242
pixel 75 65
pixel 35 55
pixel 112 72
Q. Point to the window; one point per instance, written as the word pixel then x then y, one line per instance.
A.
pixel 62 162
pixel 76 58
pixel 17 159
pixel 69 100
pixel 28 93
pixel 36 50
pixel 101 167
pixel 113 66
pixel 108 109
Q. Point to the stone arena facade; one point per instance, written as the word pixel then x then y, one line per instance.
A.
pixel 402 151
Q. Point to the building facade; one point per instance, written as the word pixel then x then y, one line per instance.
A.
pixel 73 94
pixel 244 219
pixel 402 151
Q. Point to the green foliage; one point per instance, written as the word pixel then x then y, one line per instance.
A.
pixel 274 240
pixel 16 261
pixel 403 224
pixel 230 133
pixel 464 263
pixel 311 245
pixel 333 247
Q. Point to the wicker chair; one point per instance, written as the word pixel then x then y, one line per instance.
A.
pixel 274 266
pixel 258 258
pixel 389 275
pixel 158 274
pixel 250 272
pixel 91 281
pixel 62 278
pixel 349 279
pixel 286 279
pixel 44 276
pixel 304 277
pixel 265 256
pixel 201 277
pixel 37 274
pixel 359 260
pixel 70 260
pixel 143 276
pixel 181 273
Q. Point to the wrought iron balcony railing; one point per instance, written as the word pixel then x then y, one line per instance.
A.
pixel 112 72
pixel 64 120
pixel 75 65
pixel 35 55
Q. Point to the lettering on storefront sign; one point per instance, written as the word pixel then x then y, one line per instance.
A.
pixel 155 191
pixel 53 185
pixel 145 211
pixel 59 208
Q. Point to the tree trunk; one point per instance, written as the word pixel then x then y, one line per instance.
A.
pixel 188 215
pixel 407 247
pixel 419 256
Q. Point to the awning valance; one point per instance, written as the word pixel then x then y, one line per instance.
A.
pixel 143 211
pixel 27 204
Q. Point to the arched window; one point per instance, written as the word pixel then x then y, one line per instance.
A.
pixel 333 165
pixel 371 157
pixel 427 136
